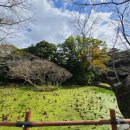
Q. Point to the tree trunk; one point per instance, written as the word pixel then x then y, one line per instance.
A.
pixel 122 93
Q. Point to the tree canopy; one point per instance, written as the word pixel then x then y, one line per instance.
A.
pixel 83 59
pixel 43 49
pixel 20 65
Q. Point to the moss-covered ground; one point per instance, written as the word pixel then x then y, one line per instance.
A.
pixel 68 103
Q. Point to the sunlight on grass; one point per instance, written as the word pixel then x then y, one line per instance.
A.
pixel 81 103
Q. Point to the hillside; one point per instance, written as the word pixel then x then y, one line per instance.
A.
pixel 70 103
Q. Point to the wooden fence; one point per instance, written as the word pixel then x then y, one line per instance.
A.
pixel 27 124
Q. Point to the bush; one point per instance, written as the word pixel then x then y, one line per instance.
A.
pixel 37 71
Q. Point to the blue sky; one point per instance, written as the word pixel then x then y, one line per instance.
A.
pixel 54 23
pixel 70 7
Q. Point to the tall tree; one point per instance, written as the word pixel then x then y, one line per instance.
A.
pixel 120 10
pixel 72 55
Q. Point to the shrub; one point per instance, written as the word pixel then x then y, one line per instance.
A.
pixel 37 71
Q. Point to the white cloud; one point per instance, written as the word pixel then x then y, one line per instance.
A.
pixel 53 24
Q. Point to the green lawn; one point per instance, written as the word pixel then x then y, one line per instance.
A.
pixel 82 103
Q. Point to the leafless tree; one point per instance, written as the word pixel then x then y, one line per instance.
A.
pixel 12 14
pixel 121 14
pixel 37 71
pixel 123 19
pixel 85 26
pixel 6 49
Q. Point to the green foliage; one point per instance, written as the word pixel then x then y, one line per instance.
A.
pixel 84 58
pixel 43 50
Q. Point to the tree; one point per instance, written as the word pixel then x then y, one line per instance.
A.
pixel 6 49
pixel 121 85
pixel 13 14
pixel 85 25
pixel 8 53
pixel 121 15
pixel 120 10
pixel 37 71
pixel 72 55
pixel 18 65
pixel 43 50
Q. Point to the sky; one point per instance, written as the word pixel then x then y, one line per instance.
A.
pixel 53 22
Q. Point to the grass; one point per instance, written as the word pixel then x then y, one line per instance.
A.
pixel 81 103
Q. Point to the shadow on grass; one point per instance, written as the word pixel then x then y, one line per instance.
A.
pixel 100 85
pixel 43 88
pixel 104 87
pixel 16 86
pixel 23 87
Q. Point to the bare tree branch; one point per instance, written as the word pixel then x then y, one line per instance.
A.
pixel 111 2
pixel 120 13
pixel 13 16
